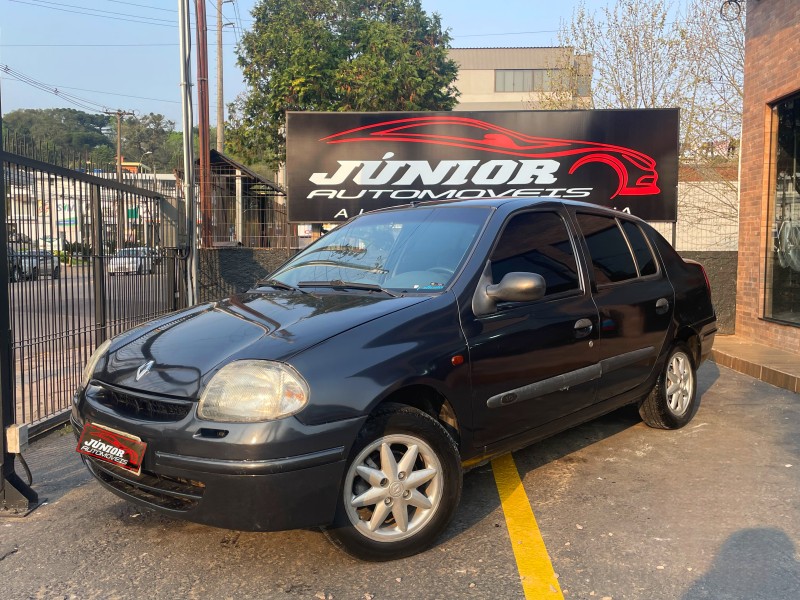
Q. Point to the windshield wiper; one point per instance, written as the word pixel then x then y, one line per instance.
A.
pixel 278 285
pixel 353 285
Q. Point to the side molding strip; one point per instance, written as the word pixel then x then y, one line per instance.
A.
pixel 568 380
pixel 546 386
pixel 623 360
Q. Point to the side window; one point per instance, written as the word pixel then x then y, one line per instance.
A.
pixel 537 242
pixel 611 258
pixel 641 250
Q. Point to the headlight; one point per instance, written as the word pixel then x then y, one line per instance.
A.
pixel 253 390
pixel 88 370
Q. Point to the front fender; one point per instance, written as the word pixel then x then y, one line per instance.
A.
pixel 353 372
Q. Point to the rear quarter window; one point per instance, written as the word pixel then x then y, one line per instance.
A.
pixel 641 249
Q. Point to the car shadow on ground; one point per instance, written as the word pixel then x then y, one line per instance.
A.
pixel 476 503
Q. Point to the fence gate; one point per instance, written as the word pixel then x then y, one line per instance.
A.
pixel 89 257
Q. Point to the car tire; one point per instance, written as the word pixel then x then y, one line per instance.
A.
pixel 34 274
pixel 14 275
pixel 396 439
pixel 57 272
pixel 672 402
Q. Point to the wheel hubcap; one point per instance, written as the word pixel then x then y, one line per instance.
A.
pixel 680 383
pixel 393 488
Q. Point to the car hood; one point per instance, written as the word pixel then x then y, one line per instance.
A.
pixel 187 346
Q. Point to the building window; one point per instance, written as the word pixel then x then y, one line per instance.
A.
pixel 523 80
pixel 782 297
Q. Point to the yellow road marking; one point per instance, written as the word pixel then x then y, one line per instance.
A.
pixel 533 563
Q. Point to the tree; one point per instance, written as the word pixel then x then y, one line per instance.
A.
pixel 648 54
pixel 336 55
pixel 148 134
pixel 70 131
pixel 76 137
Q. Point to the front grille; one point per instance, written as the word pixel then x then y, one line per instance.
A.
pixel 171 493
pixel 144 408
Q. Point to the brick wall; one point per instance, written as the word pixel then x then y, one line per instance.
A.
pixel 772 72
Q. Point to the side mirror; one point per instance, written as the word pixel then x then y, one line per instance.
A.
pixel 514 287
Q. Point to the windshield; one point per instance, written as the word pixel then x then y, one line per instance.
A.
pixel 404 250
pixel 130 252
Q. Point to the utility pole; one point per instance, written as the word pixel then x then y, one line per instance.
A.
pixel 220 99
pixel 120 204
pixel 185 38
pixel 203 121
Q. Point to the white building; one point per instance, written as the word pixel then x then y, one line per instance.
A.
pixel 521 78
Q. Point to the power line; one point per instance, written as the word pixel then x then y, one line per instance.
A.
pixel 71 98
pixel 170 10
pixel 138 20
pixel 117 94
pixel 94 12
pixel 239 23
pixel 48 4
pixel 48 87
pixel 506 33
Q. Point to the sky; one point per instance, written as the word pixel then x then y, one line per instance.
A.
pixel 123 54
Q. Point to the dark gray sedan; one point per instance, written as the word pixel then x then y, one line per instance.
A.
pixel 352 387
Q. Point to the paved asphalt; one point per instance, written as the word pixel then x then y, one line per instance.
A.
pixel 711 511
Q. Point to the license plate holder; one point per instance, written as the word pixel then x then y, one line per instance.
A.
pixel 120 449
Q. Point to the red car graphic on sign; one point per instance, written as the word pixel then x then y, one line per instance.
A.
pixel 636 171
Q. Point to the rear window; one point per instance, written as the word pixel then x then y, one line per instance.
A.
pixel 611 257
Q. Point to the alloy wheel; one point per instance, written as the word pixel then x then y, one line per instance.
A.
pixel 393 488
pixel 679 383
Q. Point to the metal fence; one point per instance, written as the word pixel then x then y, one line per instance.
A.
pixel 708 209
pixel 87 260
pixel 247 209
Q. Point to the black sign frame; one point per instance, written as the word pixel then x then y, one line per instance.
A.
pixel 341 164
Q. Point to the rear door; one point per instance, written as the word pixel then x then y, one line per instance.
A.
pixel 533 362
pixel 634 298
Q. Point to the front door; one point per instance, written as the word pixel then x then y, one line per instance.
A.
pixel 533 362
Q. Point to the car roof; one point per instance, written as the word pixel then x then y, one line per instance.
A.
pixel 505 204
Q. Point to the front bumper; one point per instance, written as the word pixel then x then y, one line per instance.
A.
pixel 122 267
pixel 246 476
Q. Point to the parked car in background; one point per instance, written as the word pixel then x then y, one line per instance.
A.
pixel 16 269
pixel 131 260
pixel 19 238
pixel 43 263
pixel 351 388
pixel 50 243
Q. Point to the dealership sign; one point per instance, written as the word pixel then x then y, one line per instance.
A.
pixel 342 164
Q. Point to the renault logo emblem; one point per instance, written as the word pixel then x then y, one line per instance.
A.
pixel 144 369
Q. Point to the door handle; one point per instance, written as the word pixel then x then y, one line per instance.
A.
pixel 662 306
pixel 583 327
